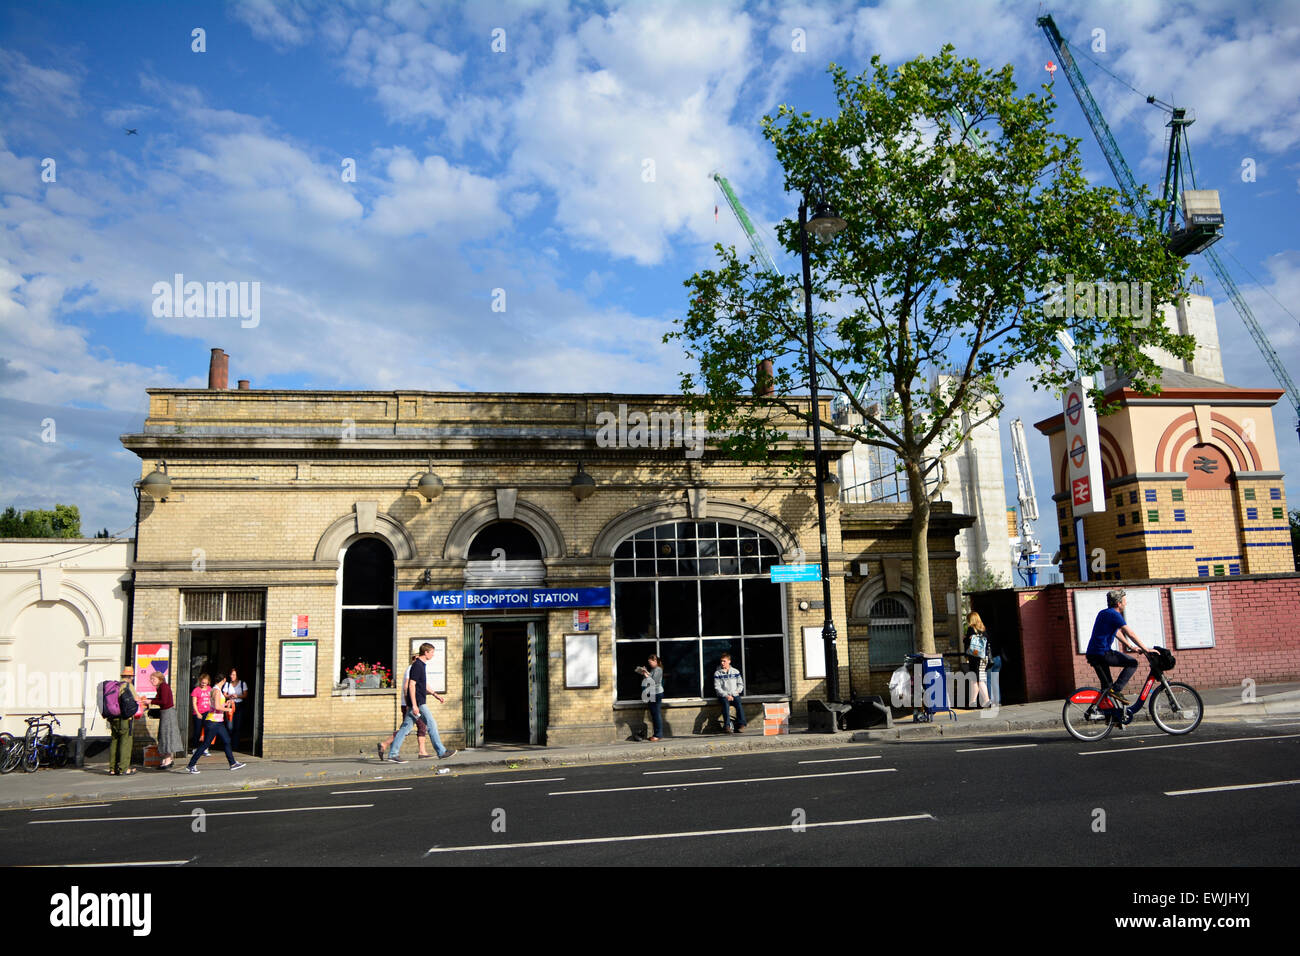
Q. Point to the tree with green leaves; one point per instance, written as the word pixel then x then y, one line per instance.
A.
pixel 971 236
pixel 63 522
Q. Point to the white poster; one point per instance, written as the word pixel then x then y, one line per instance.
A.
pixel 297 668
pixel 1142 613
pixel 1193 619
pixel 581 660
pixel 814 653
pixel 435 671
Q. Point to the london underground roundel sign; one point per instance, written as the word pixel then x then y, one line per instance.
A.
pixel 1073 407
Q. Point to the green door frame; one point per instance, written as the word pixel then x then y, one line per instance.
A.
pixel 472 670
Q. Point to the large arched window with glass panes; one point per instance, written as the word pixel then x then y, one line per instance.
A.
pixel 366 621
pixel 691 591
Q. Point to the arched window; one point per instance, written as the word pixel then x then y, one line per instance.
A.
pixel 514 540
pixel 367 633
pixel 890 630
pixel 691 591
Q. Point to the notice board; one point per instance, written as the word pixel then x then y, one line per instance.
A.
pixel 1142 612
pixel 1193 619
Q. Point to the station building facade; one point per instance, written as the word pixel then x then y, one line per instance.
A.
pixel 1193 484
pixel 301 533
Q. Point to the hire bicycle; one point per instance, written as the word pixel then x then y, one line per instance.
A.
pixel 38 746
pixel 1176 708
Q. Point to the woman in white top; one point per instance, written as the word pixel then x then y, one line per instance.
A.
pixel 235 691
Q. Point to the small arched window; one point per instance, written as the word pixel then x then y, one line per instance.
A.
pixel 890 630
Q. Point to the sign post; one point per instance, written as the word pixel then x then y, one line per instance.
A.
pixel 1083 476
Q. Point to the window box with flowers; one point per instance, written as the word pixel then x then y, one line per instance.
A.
pixel 368 676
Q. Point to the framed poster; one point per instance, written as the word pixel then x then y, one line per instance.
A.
pixel 435 671
pixel 814 653
pixel 148 659
pixel 298 668
pixel 1142 612
pixel 1193 620
pixel 581 660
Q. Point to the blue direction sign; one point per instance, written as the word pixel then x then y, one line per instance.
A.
pixel 782 573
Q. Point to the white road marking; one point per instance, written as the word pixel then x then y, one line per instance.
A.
pixel 334 793
pixel 187 816
pixel 720 783
pixel 506 783
pixel 71 806
pixel 216 799
pixel 1240 786
pixel 674 836
pixel 691 770
pixel 975 750
pixel 55 866
pixel 841 759
pixel 1136 748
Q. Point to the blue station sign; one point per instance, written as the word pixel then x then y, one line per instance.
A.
pixel 502 599
pixel 785 573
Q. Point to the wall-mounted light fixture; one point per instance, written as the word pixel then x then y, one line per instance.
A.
pixel 582 485
pixel 157 484
pixel 430 485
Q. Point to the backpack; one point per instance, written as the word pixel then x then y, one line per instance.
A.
pixel 107 694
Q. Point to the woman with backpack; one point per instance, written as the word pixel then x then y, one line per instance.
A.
pixel 169 731
pixel 214 724
pixel 977 650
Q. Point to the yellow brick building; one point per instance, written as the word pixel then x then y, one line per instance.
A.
pixel 1193 484
pixel 304 532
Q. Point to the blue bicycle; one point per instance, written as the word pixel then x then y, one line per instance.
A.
pixel 38 746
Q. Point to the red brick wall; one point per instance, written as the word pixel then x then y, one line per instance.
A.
pixel 1043 619
pixel 1256 635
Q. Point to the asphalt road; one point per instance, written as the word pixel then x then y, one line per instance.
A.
pixel 1225 796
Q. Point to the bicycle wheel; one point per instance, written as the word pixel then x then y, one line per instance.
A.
pixel 1081 724
pixel 10 752
pixel 61 754
pixel 31 754
pixel 1178 710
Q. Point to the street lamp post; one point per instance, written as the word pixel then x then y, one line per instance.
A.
pixel 824 224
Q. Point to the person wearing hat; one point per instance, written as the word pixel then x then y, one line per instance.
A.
pixel 123 736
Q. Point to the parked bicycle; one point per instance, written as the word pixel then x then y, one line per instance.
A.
pixel 38 746
pixel 1176 708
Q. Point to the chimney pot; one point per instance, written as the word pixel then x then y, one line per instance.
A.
pixel 243 384
pixel 219 370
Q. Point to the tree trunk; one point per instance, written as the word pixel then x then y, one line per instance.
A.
pixel 921 558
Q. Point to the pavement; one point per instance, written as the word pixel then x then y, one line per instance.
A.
pixel 72 785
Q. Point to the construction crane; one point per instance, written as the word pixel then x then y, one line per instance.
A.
pixel 1029 544
pixel 1203 221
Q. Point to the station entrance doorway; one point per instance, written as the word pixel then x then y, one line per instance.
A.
pixel 505 666
pixel 213 650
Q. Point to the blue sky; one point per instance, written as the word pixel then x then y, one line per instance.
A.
pixel 516 169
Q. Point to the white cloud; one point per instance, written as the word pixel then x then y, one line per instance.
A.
pixel 422 197
pixel 39 89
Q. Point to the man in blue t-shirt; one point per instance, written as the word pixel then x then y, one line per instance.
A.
pixel 1101 654
pixel 415 693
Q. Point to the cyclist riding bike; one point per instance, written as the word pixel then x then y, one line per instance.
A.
pixel 1109 627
